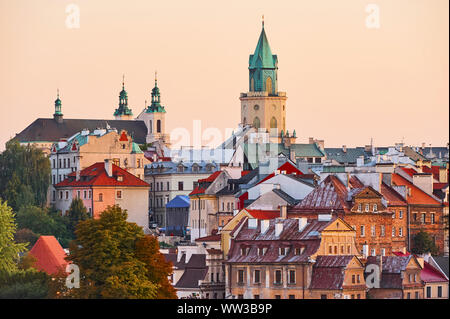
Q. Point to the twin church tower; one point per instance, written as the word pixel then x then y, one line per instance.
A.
pixel 262 107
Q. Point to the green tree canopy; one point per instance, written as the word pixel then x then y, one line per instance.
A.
pixel 77 212
pixel 104 250
pixel 24 175
pixel 9 249
pixel 423 243
pixel 24 284
pixel 43 222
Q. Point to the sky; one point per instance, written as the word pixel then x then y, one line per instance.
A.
pixel 346 82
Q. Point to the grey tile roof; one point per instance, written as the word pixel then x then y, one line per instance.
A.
pixel 48 130
pixel 443 263
pixel 290 200
pixel 347 157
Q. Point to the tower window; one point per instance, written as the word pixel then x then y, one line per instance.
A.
pixel 158 126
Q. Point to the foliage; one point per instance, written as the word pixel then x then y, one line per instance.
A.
pixel 45 222
pixel 27 261
pixel 9 249
pixel 104 250
pixel 26 236
pixel 423 243
pixel 24 284
pixel 158 269
pixel 25 175
pixel 77 212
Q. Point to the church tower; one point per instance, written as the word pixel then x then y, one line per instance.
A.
pixel 123 112
pixel 58 116
pixel 154 118
pixel 263 106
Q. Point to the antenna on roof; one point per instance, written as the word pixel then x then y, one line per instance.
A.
pixel 263 20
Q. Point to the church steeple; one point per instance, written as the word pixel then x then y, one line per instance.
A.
pixel 263 66
pixel 156 106
pixel 123 110
pixel 58 116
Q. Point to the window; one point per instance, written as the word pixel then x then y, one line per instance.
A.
pixel 400 214
pixel 422 219
pixel 240 276
pixel 417 295
pixel 439 292
pixel 256 297
pixel 180 186
pixel 428 292
pixel 168 185
pixel 291 296
pixel 323 296
pixel 400 232
pixel 382 230
pixel 54 179
pixel 277 296
pixel 292 276
pixel 358 296
pixel 373 252
pixel 353 279
pixel 282 251
pixel 393 215
pixel 432 218
pixel 257 276
pixel 367 207
pixel 363 231
pixel 100 197
pixel 408 296
pixel 119 194
pixel 415 217
pixel 393 231
pixel 54 195
pixel 67 195
pixel 359 207
pixel 375 207
pixel 358 279
pixel 277 277
pixel 240 296
pixel 373 230
pixel 90 194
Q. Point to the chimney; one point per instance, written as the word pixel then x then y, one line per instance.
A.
pixel 311 140
pixel 424 181
pixel 344 148
pixel 264 225
pixel 292 155
pixel 302 222
pixel 283 212
pixel 278 228
pixel 108 167
pixel 365 250
pixel 252 223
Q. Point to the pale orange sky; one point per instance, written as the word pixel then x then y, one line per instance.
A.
pixel 345 83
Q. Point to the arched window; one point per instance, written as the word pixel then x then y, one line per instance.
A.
pixel 158 126
pixel 252 85
pixel 269 85
pixel 256 122
pixel 273 122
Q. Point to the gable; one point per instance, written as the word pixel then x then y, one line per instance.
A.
pixel 413 264
pixel 338 225
pixel 368 192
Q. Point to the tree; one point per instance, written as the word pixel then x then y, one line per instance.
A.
pixel 77 212
pixel 158 269
pixel 104 250
pixel 26 236
pixel 24 284
pixel 423 243
pixel 45 222
pixel 25 175
pixel 9 249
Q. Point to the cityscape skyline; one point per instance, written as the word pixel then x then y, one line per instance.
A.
pixel 389 72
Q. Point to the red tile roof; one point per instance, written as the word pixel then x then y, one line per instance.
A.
pixel 439 185
pixel 433 170
pixel 197 191
pixel 50 256
pixel 288 167
pixel 431 274
pixel 409 171
pixel 393 198
pixel 209 238
pixel 95 175
pixel 331 194
pixel 418 196
pixel 263 214
pixel 211 178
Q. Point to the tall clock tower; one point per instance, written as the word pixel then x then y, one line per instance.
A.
pixel 263 106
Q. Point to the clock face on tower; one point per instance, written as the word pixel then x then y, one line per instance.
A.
pixel 256 107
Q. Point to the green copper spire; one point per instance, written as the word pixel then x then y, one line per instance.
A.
pixel 263 66
pixel 156 106
pixel 123 102
pixel 58 105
